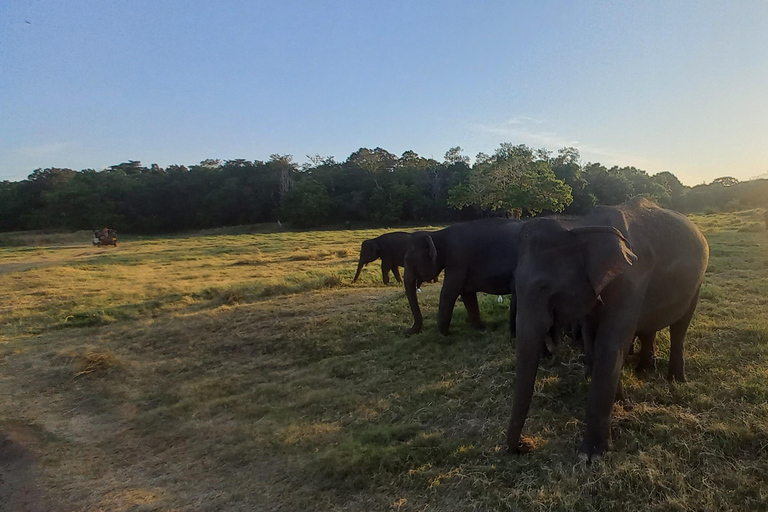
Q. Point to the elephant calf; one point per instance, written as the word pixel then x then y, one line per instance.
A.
pixel 391 248
pixel 631 269
pixel 477 256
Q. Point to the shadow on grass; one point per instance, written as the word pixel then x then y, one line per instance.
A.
pixel 109 315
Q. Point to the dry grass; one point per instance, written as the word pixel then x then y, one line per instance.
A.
pixel 207 383
pixel 41 238
pixel 95 361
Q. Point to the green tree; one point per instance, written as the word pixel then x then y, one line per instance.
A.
pixel 567 168
pixel 675 189
pixel 609 187
pixel 130 168
pixel 373 161
pixel 307 203
pixel 454 156
pixel 725 181
pixel 513 181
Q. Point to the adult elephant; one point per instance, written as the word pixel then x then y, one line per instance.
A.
pixel 630 269
pixel 477 256
pixel 391 248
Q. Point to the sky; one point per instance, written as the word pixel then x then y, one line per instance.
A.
pixel 679 86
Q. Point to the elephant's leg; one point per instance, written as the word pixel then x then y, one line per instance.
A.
pixel 385 268
pixel 448 295
pixel 619 396
pixel 512 315
pixel 396 272
pixel 411 285
pixel 577 337
pixel 647 357
pixel 677 333
pixel 588 333
pixel 473 310
pixel 609 360
pixel 556 335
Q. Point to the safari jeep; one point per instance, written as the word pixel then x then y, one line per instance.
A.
pixel 105 237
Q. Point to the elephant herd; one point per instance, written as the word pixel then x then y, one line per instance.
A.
pixel 614 274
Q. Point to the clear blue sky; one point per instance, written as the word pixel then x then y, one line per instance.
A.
pixel 661 85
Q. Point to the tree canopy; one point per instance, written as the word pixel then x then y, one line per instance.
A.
pixel 372 186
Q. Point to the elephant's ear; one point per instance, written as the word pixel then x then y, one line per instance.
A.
pixel 607 254
pixel 432 248
pixel 370 249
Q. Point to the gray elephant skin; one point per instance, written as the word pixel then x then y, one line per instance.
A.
pixel 631 269
pixel 391 248
pixel 477 256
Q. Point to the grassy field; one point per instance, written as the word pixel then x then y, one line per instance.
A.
pixel 245 372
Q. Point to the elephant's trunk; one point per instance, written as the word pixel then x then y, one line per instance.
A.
pixel 411 285
pixel 360 266
pixel 530 341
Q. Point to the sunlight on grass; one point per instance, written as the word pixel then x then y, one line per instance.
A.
pixel 238 367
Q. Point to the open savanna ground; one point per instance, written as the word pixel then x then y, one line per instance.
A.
pixel 244 371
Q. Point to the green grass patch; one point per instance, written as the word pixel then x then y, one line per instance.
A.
pixel 239 369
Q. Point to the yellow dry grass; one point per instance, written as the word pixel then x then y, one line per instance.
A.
pixel 246 372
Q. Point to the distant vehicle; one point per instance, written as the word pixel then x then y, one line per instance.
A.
pixel 105 237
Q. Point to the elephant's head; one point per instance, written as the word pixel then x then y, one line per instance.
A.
pixel 422 264
pixel 369 251
pixel 421 260
pixel 559 278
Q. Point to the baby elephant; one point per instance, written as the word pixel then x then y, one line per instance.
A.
pixel 391 248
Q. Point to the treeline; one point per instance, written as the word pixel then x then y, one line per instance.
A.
pixel 371 186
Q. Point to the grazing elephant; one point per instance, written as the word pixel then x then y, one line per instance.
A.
pixel 391 248
pixel 477 256
pixel 631 269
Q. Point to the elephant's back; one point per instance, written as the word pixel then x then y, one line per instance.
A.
pixel 679 254
pixel 674 237
pixel 486 253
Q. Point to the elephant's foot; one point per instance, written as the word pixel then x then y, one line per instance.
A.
pixel 645 365
pixel 523 446
pixel 622 399
pixel 414 329
pixel 592 450
pixel 479 326
pixel 446 340
pixel 676 375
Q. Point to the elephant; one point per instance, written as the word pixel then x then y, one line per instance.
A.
pixel 585 338
pixel 391 248
pixel 630 269
pixel 477 256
